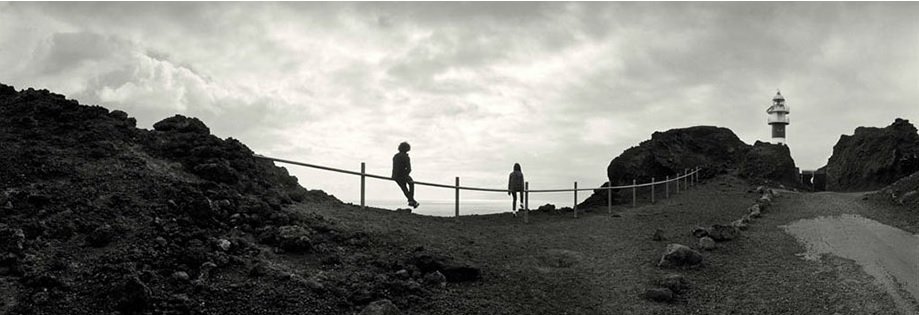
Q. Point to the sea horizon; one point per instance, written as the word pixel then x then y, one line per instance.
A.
pixel 446 207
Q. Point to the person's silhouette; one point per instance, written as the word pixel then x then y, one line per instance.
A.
pixel 401 168
pixel 515 186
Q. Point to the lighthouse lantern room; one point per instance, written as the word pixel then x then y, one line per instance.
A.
pixel 778 118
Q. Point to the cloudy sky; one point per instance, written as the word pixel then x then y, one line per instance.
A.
pixel 561 88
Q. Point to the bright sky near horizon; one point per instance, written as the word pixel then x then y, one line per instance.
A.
pixel 561 88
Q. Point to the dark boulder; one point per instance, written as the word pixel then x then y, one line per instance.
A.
pixel 452 271
pixel 179 123
pixel 677 255
pixel 721 233
pixel 659 294
pixel 294 238
pixel 872 158
pixel 769 161
pixel 675 282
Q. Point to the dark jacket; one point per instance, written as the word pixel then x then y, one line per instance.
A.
pixel 401 166
pixel 515 181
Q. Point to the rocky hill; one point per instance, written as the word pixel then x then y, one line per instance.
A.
pixel 717 150
pixel 100 217
pixel 872 158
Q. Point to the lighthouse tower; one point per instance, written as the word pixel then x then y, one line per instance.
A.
pixel 778 118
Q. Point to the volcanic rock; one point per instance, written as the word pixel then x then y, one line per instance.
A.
pixel 872 158
pixel 381 307
pixel 659 294
pixel 707 243
pixel 904 191
pixel 675 282
pixel 436 279
pixel 717 150
pixel 179 123
pixel 740 224
pixel 722 233
pixel 699 231
pixel 74 175
pixel 769 161
pixel 677 255
pixel 294 238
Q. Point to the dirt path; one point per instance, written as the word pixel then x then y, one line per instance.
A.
pixel 598 264
pixel 888 254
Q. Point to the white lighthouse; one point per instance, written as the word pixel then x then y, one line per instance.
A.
pixel 778 118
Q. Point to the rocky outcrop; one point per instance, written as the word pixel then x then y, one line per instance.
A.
pixel 668 153
pixel 98 216
pixel 716 150
pixel 872 158
pixel 769 161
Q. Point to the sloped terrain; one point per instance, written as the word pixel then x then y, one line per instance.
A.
pixel 97 216
pixel 904 192
pixel 872 158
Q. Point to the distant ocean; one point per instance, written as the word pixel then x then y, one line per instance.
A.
pixel 445 208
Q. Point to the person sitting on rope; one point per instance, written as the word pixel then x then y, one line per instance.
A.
pixel 514 186
pixel 401 168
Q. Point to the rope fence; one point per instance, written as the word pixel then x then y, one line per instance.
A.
pixel 689 178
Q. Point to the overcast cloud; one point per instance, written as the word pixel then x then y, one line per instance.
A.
pixel 561 88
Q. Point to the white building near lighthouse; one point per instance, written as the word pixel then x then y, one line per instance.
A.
pixel 778 118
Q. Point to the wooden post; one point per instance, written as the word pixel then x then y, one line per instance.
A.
pixel 456 201
pixel 667 187
pixel 363 180
pixel 652 190
pixel 575 199
pixel 633 193
pixel 685 179
pixel 677 182
pixel 609 198
pixel 526 202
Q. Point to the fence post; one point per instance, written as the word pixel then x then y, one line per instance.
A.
pixel 456 202
pixel 685 179
pixel 667 187
pixel 633 193
pixel 575 199
pixel 652 190
pixel 526 202
pixel 609 198
pixel 363 180
pixel 677 182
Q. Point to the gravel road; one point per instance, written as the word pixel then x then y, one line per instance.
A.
pixel 888 254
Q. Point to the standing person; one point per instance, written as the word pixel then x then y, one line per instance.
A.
pixel 514 186
pixel 401 167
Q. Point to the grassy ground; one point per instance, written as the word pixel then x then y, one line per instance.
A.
pixel 600 264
